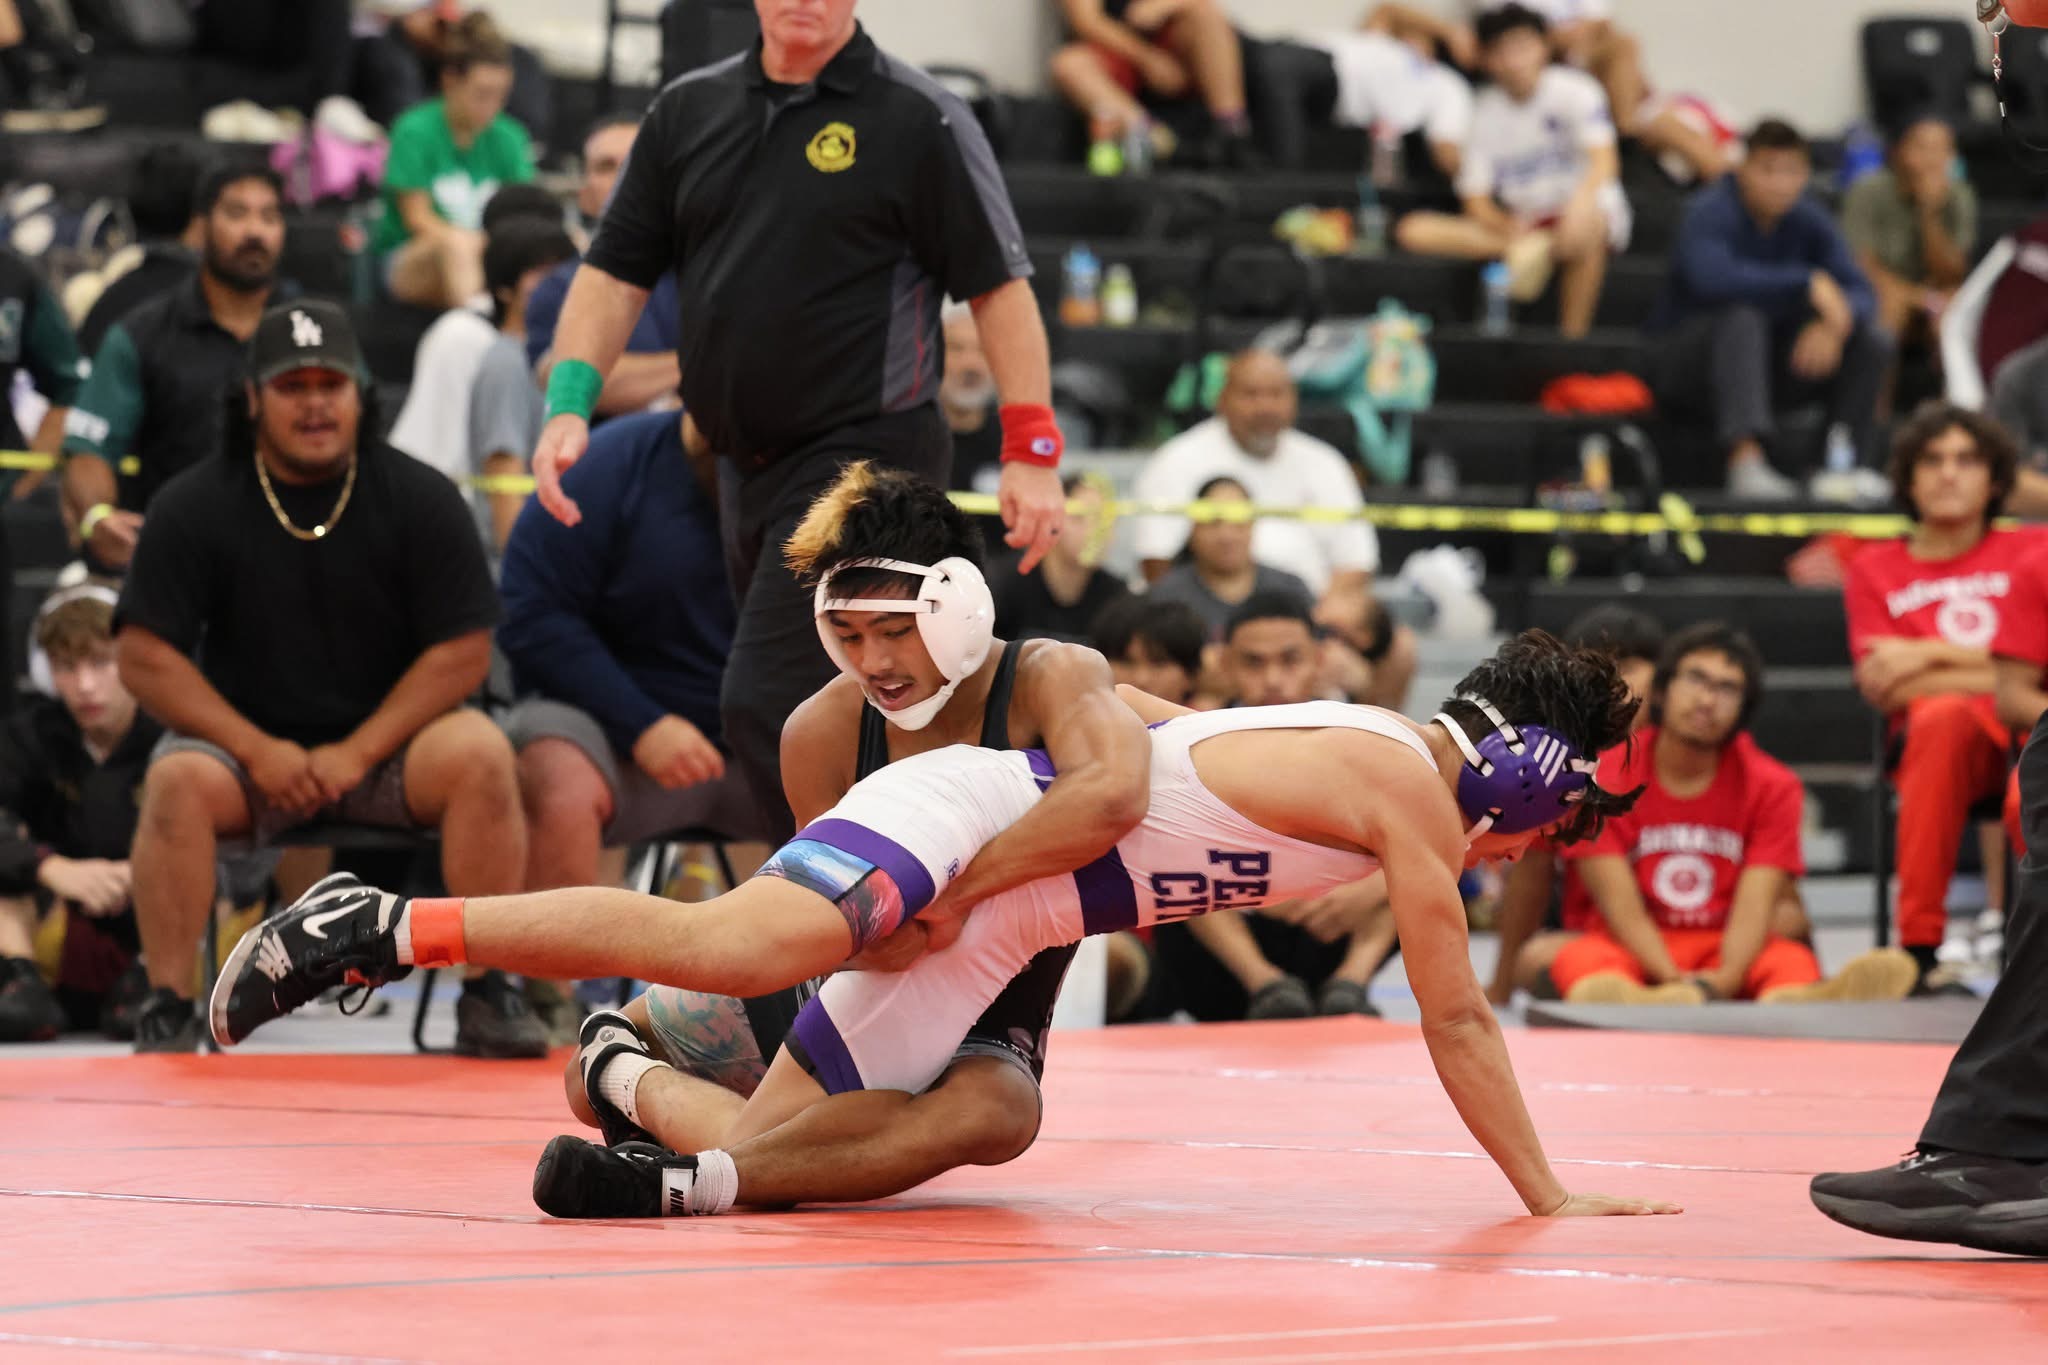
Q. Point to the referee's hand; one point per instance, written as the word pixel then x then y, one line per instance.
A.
pixel 1034 508
pixel 562 442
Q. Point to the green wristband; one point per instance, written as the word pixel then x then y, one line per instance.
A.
pixel 573 387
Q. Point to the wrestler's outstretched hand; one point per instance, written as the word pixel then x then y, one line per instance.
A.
pixel 1607 1206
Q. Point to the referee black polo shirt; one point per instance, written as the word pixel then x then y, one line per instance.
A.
pixel 815 232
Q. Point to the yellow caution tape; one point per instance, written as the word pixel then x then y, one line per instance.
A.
pixel 1674 516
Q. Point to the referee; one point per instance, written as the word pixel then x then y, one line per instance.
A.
pixel 819 200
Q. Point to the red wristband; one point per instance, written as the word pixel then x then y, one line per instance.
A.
pixel 1031 435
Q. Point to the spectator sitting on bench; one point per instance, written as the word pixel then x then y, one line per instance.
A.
pixel 1687 882
pixel 1913 225
pixel 169 235
pixel 1252 439
pixel 448 157
pixel 617 630
pixel 648 373
pixel 1215 573
pixel 1540 180
pixel 506 409
pixel 157 380
pixel 344 608
pixel 69 769
pixel 1167 49
pixel 1154 646
pixel 1923 613
pixel 1369 80
pixel 1764 305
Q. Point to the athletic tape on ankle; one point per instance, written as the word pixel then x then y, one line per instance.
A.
pixel 717 1184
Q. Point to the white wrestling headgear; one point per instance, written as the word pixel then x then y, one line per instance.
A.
pixel 956 616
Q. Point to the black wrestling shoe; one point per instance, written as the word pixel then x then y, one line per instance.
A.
pixel 338 934
pixel 1988 1203
pixel 29 1012
pixel 492 1019
pixel 605 1035
pixel 1285 998
pixel 579 1179
pixel 166 1022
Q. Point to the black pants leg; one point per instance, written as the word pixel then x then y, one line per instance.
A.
pixel 777 660
pixel 1290 89
pixel 1719 365
pixel 1994 1100
pixel 1866 358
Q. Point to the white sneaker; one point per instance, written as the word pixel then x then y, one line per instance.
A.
pixel 1988 939
pixel 1856 487
pixel 248 121
pixel 1755 481
pixel 1958 947
pixel 343 117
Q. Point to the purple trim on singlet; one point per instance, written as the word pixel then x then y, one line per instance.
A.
pixel 910 876
pixel 1108 901
pixel 831 1065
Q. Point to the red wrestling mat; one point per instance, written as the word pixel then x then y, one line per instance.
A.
pixel 1272 1192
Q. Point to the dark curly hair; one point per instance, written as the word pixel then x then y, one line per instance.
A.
pixel 1621 633
pixel 1995 446
pixel 873 512
pixel 1538 679
pixel 1498 22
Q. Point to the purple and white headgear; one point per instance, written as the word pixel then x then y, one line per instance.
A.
pixel 1518 778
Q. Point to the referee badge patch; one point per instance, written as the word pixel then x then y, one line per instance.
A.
pixel 831 151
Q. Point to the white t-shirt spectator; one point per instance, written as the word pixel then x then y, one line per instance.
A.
pixel 1531 155
pixel 1302 472
pixel 1384 80
pixel 433 426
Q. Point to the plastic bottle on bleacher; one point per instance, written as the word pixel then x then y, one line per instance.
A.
pixel 1493 299
pixel 1119 297
pixel 1371 239
pixel 1081 297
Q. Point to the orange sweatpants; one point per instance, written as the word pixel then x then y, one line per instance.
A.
pixel 1954 757
pixel 1781 963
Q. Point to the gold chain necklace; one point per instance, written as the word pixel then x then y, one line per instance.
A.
pixel 277 509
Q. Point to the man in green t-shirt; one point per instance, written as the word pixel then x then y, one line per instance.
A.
pixel 448 156
pixel 1913 226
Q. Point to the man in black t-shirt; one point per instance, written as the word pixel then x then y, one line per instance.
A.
pixel 306 617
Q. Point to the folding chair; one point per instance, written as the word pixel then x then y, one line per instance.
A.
pixel 650 865
pixel 336 835
pixel 1884 808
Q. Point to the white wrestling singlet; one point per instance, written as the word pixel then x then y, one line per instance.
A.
pixel 924 818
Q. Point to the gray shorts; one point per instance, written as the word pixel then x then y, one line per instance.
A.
pixel 641 807
pixel 379 799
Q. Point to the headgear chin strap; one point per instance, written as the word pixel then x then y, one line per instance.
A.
pixel 956 617
pixel 1517 778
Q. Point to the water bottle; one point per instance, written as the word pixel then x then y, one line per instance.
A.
pixel 1081 302
pixel 1385 164
pixel 1493 299
pixel 1439 476
pixel 1862 153
pixel 354 239
pixel 1372 219
pixel 1596 464
pixel 1119 297
pixel 1138 147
